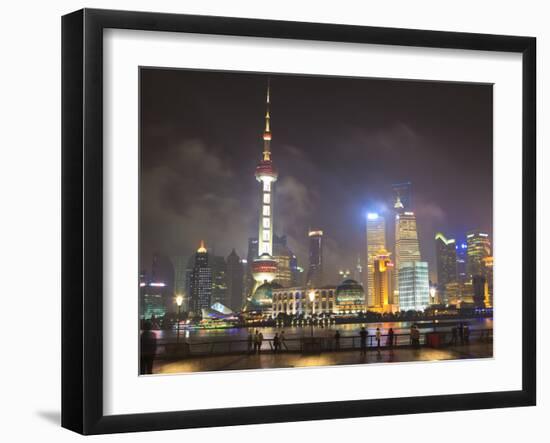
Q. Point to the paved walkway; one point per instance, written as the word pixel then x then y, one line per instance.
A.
pixel 294 360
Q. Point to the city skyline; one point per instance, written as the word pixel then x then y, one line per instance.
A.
pixel 304 199
pixel 226 305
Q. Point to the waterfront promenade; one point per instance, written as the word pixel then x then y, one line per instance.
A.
pixel 268 359
pixel 319 349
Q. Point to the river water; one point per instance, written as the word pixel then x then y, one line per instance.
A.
pixel 402 327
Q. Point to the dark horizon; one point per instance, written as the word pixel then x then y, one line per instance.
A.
pixel 338 143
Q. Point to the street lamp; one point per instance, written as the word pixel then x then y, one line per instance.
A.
pixel 432 300
pixel 312 299
pixel 179 302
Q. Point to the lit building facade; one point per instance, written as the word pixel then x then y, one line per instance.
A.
pixel 479 247
pixel 467 293
pixel 407 249
pixel 200 284
pixel 285 261
pixel 488 263
pixel 461 258
pixel 446 260
pixel 376 240
pixel 219 280
pixel 315 269
pixel 296 301
pixel 414 286
pixel 154 298
pixel 382 283
pixel 350 298
pixel 453 293
pixel 479 284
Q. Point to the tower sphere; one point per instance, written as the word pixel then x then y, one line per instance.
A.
pixel 266 172
pixel 262 299
pixel 264 269
pixel 350 292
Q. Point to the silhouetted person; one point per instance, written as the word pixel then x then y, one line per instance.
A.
pixel 363 334
pixel 256 341
pixel 337 340
pixel 391 336
pixel 260 340
pixel 461 333
pixel 148 349
pixel 378 336
pixel 416 336
pixel 276 343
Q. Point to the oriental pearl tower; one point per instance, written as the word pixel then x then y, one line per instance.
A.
pixel 264 268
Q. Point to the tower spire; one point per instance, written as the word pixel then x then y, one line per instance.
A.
pixel 267 130
pixel 202 248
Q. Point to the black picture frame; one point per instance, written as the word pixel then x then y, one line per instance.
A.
pixel 82 218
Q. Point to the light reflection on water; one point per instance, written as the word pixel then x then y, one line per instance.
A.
pixel 205 335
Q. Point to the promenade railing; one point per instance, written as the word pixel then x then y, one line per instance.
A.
pixel 321 343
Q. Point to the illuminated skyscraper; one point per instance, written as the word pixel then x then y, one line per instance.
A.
pixel 315 270
pixel 200 284
pixel 479 247
pixel 154 298
pixel 283 256
pixel 488 263
pixel 461 257
pixel 407 249
pixel 479 284
pixel 376 240
pixel 264 267
pixel 414 286
pixel 445 251
pixel 382 282
pixel 219 280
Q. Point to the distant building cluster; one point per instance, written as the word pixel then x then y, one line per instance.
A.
pixel 465 271
pixel 269 282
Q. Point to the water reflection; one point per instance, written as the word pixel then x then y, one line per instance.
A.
pixel 205 335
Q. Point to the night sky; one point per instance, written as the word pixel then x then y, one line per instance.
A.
pixel 338 144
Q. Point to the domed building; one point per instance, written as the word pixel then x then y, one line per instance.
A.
pixel 350 297
pixel 262 300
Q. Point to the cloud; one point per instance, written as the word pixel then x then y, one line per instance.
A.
pixel 296 201
pixel 430 211
pixel 191 198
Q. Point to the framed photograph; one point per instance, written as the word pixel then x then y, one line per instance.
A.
pixel 269 221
